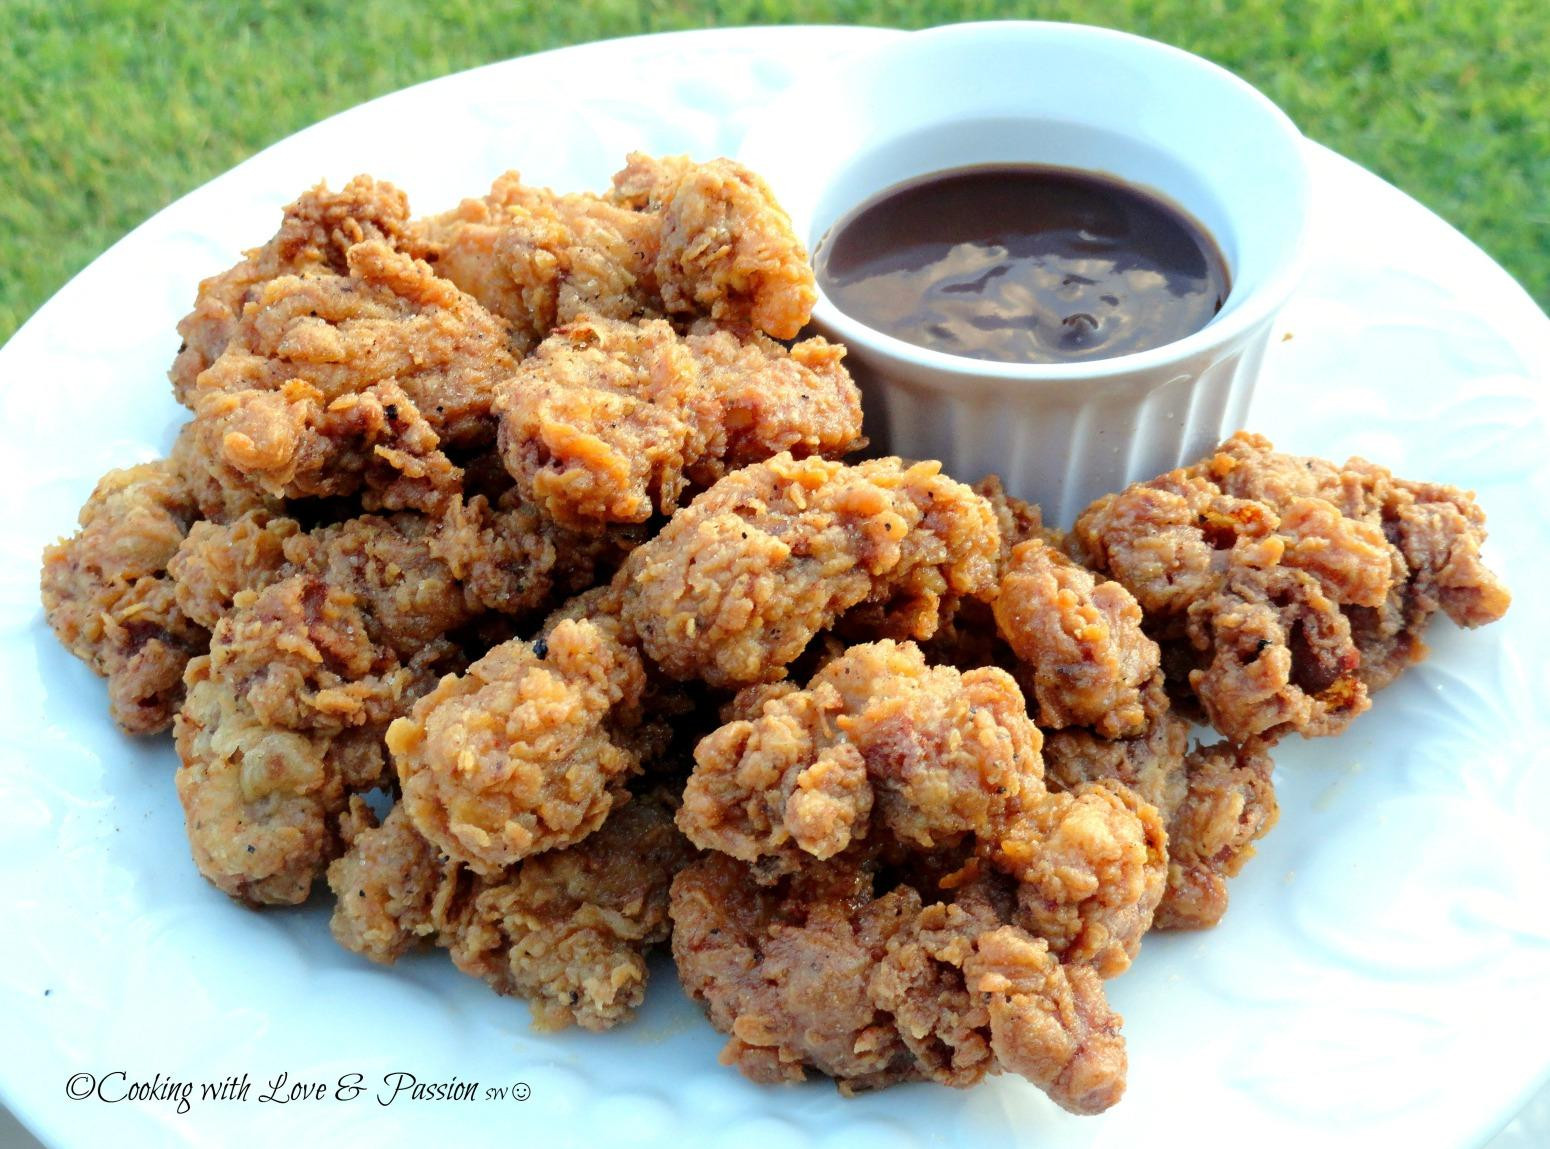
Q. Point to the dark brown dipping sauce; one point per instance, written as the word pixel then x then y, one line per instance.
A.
pixel 1024 264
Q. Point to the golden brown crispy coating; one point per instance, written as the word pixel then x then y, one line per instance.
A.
pixel 1080 642
pixel 672 237
pixel 348 635
pixel 217 495
pixel 376 490
pixel 1090 665
pixel 346 384
pixel 389 318
pixel 511 558
pixel 277 783
pixel 1230 803
pixel 314 235
pixel 1274 653
pixel 217 560
pixel 1438 530
pixel 315 656
pixel 1049 1023
pixel 108 596
pixel 1091 866
pixel 1215 801
pixel 925 754
pixel 570 929
pixel 539 260
pixel 260 802
pixel 290 443
pixel 871 989
pixel 301 655
pixel 880 747
pixel 647 183
pixel 726 248
pixel 567 929
pixel 526 752
pixel 740 581
pixel 610 421
pixel 1271 574
pixel 785 972
pixel 968 636
pixel 1150 762
pixel 409 596
pixel 1018 519
pixel 393 889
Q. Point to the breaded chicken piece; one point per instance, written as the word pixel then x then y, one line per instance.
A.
pixel 1288 586
pixel 877 739
pixel 343 639
pixel 343 385
pixel 1216 801
pixel 612 421
pixel 315 657
pixel 261 803
pixel 393 889
pixel 1228 805
pixel 345 382
pixel 568 929
pixel 1018 519
pixel 526 752
pixel 1438 530
pixel 882 748
pixel 215 561
pixel 1080 642
pixel 871 989
pixel 672 238
pixel 540 260
pixel 738 583
pixel 1274 653
pixel 314 235
pixel 727 249
pixel 290 444
pixel 512 559
pixel 274 773
pixel 388 317
pixel 503 557
pixel 108 596
pixel 968 636
pixel 1090 866
pixel 217 494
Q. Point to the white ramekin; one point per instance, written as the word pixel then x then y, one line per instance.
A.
pixel 1072 96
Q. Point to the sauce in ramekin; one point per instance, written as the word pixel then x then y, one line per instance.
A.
pixel 1024 264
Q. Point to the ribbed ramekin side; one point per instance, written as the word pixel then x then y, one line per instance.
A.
pixel 1063 443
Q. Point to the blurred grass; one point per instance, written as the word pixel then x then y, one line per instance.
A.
pixel 113 108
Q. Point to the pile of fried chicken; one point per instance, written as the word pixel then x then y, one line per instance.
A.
pixel 532 521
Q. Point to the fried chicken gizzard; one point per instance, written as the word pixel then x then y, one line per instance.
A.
pixel 823 969
pixel 523 517
pixel 1008 903
pixel 567 929
pixel 1094 677
pixel 671 238
pixel 882 749
pixel 318 640
pixel 609 421
pixel 737 584
pixel 1286 589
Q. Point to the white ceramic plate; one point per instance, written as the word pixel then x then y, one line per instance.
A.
pixel 1380 979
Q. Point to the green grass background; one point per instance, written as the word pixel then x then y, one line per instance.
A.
pixel 110 109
